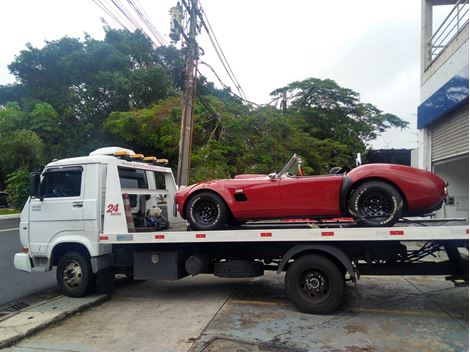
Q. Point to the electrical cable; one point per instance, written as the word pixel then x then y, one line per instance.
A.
pixel 215 43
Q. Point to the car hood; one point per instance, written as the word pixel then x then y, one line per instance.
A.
pixel 186 189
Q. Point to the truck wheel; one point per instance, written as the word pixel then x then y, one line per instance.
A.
pixel 74 274
pixel 376 203
pixel 206 211
pixel 314 284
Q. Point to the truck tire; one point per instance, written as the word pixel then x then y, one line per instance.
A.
pixel 236 269
pixel 314 284
pixel 74 274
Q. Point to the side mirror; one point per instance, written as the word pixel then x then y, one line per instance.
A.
pixel 272 175
pixel 358 160
pixel 35 185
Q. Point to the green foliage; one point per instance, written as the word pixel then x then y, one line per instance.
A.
pixel 21 145
pixel 73 96
pixel 335 112
pixel 85 80
pixel 17 186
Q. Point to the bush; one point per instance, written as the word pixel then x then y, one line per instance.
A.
pixel 17 187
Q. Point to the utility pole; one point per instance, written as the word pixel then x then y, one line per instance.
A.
pixel 189 94
pixel 284 102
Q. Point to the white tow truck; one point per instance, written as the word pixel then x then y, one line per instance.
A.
pixel 113 212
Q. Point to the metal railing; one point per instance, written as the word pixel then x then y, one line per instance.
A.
pixel 455 21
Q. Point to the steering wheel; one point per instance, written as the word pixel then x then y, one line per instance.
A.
pixel 300 170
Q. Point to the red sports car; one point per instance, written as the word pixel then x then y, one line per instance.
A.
pixel 372 194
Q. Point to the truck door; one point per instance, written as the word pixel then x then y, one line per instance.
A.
pixel 61 208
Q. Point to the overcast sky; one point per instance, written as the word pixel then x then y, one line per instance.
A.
pixel 370 46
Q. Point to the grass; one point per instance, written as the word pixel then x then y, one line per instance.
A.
pixel 9 211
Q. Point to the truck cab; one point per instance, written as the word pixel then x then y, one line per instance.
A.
pixel 70 197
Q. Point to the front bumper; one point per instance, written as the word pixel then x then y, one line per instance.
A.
pixel 22 262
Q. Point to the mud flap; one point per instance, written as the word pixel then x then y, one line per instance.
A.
pixel 105 280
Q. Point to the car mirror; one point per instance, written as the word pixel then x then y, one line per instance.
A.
pixel 35 184
pixel 272 175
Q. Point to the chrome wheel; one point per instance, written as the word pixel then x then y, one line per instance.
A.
pixel 72 274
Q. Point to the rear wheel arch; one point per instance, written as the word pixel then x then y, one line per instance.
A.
pixel 336 255
pixel 349 190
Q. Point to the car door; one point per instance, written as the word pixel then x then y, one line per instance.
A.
pixel 257 198
pixel 311 195
pixel 61 207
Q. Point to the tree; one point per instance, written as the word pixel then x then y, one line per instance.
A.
pixel 20 143
pixel 330 111
pixel 17 187
pixel 85 80
pixel 73 96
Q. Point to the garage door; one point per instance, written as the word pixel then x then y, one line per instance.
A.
pixel 449 137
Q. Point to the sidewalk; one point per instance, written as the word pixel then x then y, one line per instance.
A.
pixel 26 322
pixel 207 314
pixel 10 216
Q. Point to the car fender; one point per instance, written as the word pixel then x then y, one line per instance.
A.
pixel 421 189
pixel 208 187
pixel 337 253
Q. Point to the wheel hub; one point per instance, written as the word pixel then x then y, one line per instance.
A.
pixel 315 284
pixel 72 274
pixel 206 211
pixel 375 205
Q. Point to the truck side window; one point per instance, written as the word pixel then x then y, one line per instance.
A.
pixel 160 180
pixel 132 178
pixel 62 183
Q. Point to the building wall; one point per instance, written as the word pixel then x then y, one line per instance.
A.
pixel 450 63
pixel 456 173
pixel 443 113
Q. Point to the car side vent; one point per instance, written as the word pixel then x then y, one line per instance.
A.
pixel 240 197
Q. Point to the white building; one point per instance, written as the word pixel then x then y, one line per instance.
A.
pixel 443 111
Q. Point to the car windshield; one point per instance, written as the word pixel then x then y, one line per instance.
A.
pixel 287 167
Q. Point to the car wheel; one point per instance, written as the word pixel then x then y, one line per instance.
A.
pixel 206 211
pixel 314 284
pixel 376 203
pixel 74 274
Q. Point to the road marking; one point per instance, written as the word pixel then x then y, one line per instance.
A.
pixel 13 229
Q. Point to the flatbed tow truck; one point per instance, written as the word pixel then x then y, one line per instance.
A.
pixel 113 212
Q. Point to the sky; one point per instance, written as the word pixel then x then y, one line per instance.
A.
pixel 370 46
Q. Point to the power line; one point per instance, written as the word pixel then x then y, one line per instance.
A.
pixel 110 14
pixel 215 43
pixel 125 18
pixel 143 16
pixel 228 88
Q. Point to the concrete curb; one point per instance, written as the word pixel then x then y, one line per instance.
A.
pixel 10 216
pixel 42 315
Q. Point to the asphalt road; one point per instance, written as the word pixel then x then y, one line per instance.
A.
pixel 15 284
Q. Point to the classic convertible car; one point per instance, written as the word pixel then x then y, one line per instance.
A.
pixel 372 194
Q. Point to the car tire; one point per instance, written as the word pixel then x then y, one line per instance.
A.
pixel 74 274
pixel 206 211
pixel 375 204
pixel 314 284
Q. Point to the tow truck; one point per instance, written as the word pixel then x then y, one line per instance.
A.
pixel 113 212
